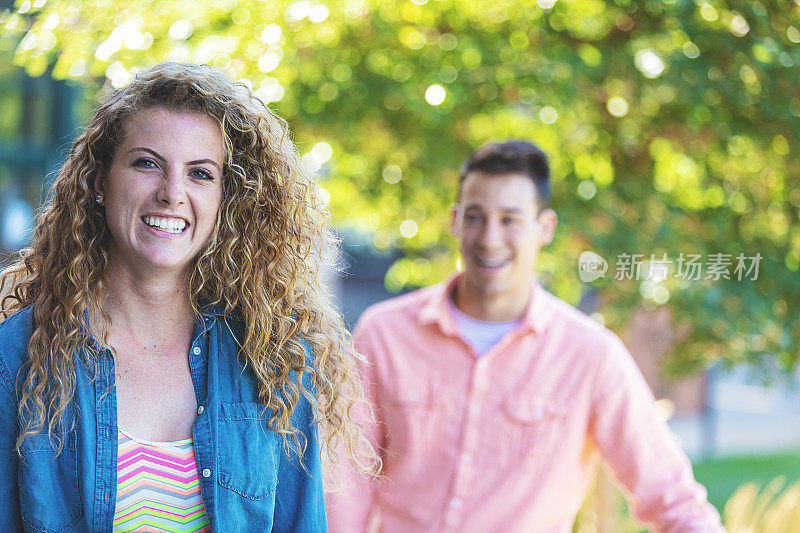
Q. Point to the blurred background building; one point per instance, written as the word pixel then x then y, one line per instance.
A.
pixel 37 125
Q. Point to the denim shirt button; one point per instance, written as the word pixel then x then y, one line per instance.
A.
pixel 206 472
pixel 196 350
pixel 200 410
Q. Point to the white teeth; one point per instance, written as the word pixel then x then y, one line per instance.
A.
pixel 169 225
pixel 490 263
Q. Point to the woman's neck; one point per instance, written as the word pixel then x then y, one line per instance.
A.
pixel 143 307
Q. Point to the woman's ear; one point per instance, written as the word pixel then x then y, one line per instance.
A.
pixel 100 174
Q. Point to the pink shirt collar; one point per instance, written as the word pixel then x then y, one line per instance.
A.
pixel 436 309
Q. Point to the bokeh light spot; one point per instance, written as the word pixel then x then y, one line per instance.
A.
pixel 52 21
pixel 299 10
pixel 323 150
pixel 739 26
pixel 312 161
pixel 271 34
pixel 392 173
pixel 180 30
pixel 240 16
pixel 690 50
pixel 780 145
pixel 408 228
pixel 649 63
pixel 318 13
pixel 587 189
pixel 270 90
pixel 548 114
pixel 435 94
pixel 708 12
pixel 448 74
pixel 448 41
pixel 617 106
pixel 270 61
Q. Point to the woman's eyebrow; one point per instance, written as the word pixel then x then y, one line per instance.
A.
pixel 149 151
pixel 162 158
pixel 201 161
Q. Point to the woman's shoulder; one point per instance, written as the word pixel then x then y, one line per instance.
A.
pixel 17 327
pixel 15 331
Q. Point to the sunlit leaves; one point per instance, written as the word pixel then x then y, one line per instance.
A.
pixel 671 125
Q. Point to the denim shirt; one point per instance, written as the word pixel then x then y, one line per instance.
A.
pixel 246 479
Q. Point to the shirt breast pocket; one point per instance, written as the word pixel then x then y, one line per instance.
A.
pixel 533 427
pixel 48 484
pixel 411 416
pixel 248 451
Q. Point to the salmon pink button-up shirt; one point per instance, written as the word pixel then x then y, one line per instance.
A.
pixel 508 441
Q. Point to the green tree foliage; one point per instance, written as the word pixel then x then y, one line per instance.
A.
pixel 670 125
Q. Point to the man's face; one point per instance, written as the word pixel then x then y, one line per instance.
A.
pixel 500 230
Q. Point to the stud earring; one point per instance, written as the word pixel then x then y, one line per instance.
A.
pixel 99 199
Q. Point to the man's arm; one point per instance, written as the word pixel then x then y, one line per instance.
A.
pixel 351 503
pixel 642 452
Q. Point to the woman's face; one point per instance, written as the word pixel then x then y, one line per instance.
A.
pixel 163 190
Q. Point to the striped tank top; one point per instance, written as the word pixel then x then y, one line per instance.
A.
pixel 157 487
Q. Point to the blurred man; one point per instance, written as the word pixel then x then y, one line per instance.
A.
pixel 494 397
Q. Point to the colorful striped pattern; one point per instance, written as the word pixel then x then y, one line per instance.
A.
pixel 157 487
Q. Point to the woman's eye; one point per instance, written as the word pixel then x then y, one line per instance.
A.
pixel 201 174
pixel 144 163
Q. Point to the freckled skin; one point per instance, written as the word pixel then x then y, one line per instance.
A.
pixel 169 166
pixel 153 173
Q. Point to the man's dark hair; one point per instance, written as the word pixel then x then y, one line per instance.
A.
pixel 511 157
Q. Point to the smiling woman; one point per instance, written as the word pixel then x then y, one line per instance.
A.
pixel 169 359
pixel 162 190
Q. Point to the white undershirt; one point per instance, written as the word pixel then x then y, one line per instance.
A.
pixel 482 336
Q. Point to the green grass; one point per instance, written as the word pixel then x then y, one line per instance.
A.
pixel 722 477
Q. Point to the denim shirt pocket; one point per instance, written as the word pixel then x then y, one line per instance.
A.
pixel 248 451
pixel 48 484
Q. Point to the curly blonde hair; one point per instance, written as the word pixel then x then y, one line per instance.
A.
pixel 261 264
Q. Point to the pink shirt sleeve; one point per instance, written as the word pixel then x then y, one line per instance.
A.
pixel 349 507
pixel 642 453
